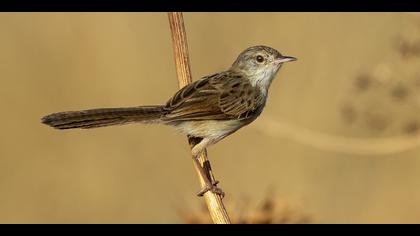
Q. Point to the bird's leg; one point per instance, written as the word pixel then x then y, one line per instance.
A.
pixel 210 186
pixel 198 148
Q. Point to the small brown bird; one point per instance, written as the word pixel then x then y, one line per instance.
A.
pixel 210 108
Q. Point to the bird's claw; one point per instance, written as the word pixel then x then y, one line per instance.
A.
pixel 213 188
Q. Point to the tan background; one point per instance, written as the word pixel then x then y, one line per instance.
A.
pixel 53 62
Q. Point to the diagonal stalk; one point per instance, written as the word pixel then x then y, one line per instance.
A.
pixel 213 201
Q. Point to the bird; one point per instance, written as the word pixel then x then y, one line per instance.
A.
pixel 210 108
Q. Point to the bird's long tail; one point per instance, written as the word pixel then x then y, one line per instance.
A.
pixel 94 118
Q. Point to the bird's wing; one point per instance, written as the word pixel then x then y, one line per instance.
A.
pixel 222 96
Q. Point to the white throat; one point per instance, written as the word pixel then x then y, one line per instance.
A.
pixel 263 79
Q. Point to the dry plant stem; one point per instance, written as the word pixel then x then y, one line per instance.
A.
pixel 214 202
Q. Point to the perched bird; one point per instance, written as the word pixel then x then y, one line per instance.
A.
pixel 210 108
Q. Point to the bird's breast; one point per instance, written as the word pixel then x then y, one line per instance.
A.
pixel 213 129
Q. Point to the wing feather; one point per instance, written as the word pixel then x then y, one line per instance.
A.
pixel 222 96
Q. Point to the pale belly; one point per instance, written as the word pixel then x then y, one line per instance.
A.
pixel 212 129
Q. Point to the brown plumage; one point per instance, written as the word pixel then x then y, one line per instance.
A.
pixel 95 118
pixel 223 96
pixel 210 108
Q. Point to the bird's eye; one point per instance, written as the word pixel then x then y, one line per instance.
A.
pixel 260 59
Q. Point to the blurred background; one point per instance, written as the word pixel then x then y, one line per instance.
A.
pixel 338 141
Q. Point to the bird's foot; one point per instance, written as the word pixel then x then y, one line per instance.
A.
pixel 213 188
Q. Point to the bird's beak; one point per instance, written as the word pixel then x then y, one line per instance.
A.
pixel 283 59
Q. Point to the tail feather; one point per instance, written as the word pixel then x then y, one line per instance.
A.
pixel 95 118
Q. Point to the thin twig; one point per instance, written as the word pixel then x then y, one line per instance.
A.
pixel 336 143
pixel 214 202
